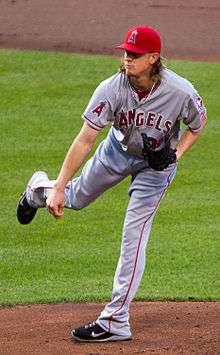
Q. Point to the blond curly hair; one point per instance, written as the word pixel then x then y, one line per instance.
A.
pixel 156 70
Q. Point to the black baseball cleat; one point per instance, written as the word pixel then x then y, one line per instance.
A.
pixel 25 213
pixel 92 332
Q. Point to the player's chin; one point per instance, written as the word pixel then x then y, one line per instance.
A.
pixel 130 71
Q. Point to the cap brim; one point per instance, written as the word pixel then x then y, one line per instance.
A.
pixel 129 47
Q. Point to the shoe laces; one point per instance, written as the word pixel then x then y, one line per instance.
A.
pixel 90 325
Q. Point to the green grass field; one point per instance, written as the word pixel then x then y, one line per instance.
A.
pixel 42 98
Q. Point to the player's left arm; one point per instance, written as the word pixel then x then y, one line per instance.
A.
pixel 188 139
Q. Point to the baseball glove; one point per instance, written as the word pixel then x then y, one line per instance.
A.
pixel 158 159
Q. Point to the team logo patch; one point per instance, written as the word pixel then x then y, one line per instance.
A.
pixel 132 38
pixel 98 109
pixel 199 105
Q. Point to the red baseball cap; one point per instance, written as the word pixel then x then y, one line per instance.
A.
pixel 141 40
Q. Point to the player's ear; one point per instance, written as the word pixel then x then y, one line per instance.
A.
pixel 153 57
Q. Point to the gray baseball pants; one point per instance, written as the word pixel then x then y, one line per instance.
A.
pixel 106 168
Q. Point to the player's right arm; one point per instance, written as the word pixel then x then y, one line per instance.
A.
pixel 98 114
pixel 75 157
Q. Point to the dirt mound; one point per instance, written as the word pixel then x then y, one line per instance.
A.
pixel 158 328
pixel 188 29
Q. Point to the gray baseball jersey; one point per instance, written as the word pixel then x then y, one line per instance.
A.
pixel 116 102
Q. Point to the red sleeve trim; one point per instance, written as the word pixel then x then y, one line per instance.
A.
pixel 92 124
pixel 98 130
pixel 198 129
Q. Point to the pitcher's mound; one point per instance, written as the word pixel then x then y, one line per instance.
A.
pixel 158 328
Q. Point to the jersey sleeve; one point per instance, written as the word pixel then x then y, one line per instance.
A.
pixel 100 109
pixel 194 112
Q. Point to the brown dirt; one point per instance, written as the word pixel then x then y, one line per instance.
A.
pixel 158 328
pixel 189 30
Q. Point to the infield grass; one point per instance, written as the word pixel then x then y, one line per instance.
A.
pixel 42 98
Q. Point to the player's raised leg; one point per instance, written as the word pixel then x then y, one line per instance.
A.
pixel 94 179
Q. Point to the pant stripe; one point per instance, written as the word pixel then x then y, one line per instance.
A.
pixel 137 254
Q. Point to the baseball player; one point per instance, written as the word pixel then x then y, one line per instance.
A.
pixel 144 103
